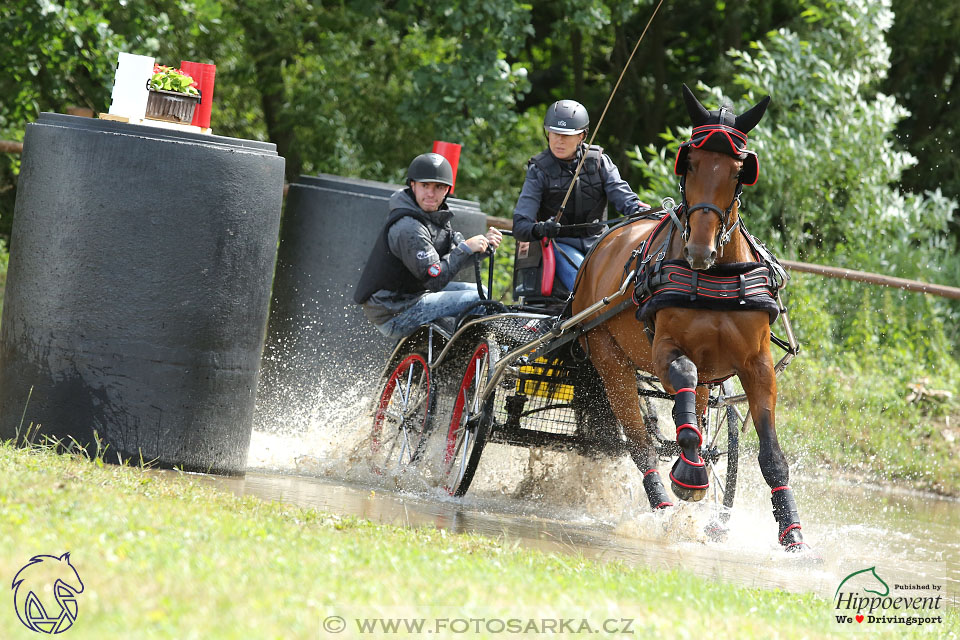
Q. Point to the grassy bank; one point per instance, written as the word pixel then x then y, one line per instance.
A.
pixel 164 558
pixel 864 422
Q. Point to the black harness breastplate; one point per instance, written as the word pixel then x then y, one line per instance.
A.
pixel 740 286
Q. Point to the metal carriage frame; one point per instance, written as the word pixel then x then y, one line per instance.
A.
pixel 517 376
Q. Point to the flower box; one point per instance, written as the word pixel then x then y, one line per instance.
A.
pixel 171 106
pixel 173 95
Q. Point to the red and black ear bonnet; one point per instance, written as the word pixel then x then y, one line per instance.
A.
pixel 722 131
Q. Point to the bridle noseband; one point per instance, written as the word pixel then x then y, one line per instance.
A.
pixel 724 233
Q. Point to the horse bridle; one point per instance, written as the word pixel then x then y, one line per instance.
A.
pixel 724 233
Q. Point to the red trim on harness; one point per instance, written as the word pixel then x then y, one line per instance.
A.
pixel 795 525
pixel 665 504
pixel 695 430
pixel 549 268
pixel 686 389
pixel 688 486
pixel 651 471
pixel 692 464
pixel 779 489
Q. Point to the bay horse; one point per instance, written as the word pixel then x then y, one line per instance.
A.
pixel 689 338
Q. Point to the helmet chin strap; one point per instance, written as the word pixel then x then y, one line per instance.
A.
pixel 583 156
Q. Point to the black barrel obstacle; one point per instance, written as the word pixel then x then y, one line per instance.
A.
pixel 321 353
pixel 138 291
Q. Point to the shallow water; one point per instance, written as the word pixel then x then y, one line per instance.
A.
pixel 564 502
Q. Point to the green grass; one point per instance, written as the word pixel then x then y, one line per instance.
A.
pixel 860 421
pixel 167 557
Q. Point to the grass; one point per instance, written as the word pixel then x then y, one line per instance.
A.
pixel 165 557
pixel 860 422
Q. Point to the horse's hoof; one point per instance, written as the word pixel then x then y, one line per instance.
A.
pixel 689 480
pixel 688 495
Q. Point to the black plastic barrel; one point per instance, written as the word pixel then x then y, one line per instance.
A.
pixel 322 356
pixel 138 291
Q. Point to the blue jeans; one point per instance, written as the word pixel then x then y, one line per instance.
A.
pixel 452 301
pixel 566 272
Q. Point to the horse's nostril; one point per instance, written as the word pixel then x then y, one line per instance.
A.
pixel 713 255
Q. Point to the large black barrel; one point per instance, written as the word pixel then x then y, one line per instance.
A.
pixel 138 290
pixel 322 355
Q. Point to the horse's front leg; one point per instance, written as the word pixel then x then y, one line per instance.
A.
pixel 619 376
pixel 760 384
pixel 678 374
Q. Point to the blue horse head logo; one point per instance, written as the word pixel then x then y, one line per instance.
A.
pixel 28 588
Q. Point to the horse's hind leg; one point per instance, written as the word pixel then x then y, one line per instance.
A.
pixel 619 376
pixel 689 474
pixel 760 384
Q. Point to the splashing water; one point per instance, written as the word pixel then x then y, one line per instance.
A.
pixel 597 506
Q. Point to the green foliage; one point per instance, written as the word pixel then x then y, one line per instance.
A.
pixel 822 198
pixel 169 79
pixel 358 88
pixel 924 76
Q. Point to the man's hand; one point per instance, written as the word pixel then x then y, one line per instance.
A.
pixel 493 238
pixel 546 229
pixel 478 244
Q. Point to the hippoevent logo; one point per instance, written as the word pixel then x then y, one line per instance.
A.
pixel 865 600
pixel 32 586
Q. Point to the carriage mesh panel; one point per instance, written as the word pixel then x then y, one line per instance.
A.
pixel 540 398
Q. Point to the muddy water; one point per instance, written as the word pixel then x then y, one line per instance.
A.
pixel 563 502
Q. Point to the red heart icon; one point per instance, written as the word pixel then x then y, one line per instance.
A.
pixel 860 618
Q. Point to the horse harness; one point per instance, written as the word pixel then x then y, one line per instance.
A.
pixel 662 283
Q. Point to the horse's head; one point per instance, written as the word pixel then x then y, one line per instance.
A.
pixel 714 165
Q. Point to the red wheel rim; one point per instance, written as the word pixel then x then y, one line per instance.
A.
pixel 396 376
pixel 469 377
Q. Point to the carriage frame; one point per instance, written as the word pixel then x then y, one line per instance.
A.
pixel 474 379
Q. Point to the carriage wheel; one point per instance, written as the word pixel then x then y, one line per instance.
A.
pixel 724 439
pixel 403 415
pixel 470 421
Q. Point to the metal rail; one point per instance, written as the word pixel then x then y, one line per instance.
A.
pixel 829 272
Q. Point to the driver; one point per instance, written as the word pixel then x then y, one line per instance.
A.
pixel 548 177
pixel 407 280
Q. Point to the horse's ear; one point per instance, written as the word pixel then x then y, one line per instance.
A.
pixel 698 113
pixel 65 557
pixel 749 119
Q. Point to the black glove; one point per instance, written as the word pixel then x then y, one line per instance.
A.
pixel 546 229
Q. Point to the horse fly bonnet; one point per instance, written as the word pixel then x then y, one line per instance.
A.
pixel 724 132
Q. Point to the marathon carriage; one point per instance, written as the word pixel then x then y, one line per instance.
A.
pixel 685 293
pixel 518 375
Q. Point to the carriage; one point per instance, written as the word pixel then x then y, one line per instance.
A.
pixel 518 375
pixel 579 376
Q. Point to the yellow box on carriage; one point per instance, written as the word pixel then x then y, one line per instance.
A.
pixel 555 391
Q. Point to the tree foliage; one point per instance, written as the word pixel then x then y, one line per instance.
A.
pixel 858 140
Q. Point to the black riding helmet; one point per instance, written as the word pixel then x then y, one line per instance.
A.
pixel 430 167
pixel 566 117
